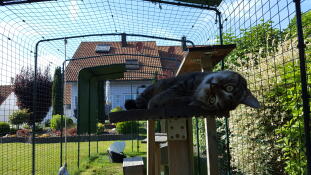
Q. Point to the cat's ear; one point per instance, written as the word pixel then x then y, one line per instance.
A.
pixel 250 100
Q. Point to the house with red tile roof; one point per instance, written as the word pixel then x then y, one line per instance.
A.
pixel 144 61
pixel 7 102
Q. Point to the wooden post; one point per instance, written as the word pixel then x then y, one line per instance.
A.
pixel 211 146
pixel 180 154
pixel 157 160
pixel 150 147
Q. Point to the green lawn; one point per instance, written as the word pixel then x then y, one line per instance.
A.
pixel 15 158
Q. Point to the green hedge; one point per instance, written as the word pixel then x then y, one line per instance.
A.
pixel 19 117
pixel 4 128
pixel 130 127
pixel 56 122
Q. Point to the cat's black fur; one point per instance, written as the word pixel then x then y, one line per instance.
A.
pixel 213 91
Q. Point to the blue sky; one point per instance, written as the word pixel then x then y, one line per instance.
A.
pixel 23 25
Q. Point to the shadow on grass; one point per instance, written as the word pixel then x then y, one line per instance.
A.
pixel 100 164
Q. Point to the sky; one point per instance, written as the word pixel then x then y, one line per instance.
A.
pixel 21 26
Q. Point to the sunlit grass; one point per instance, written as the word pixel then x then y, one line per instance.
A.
pixel 16 158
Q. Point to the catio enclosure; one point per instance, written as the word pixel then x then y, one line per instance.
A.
pixel 273 50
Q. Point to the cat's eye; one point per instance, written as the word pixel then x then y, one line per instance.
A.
pixel 212 100
pixel 229 88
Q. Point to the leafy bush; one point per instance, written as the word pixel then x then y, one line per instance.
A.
pixel 4 128
pixel 257 42
pixel 116 109
pixel 100 128
pixel 19 117
pixel 291 133
pixel 130 127
pixel 56 122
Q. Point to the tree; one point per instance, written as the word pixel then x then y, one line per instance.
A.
pixel 24 91
pixel 57 92
pixel 19 117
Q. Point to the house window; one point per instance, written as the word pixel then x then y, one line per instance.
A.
pixel 131 64
pixel 102 48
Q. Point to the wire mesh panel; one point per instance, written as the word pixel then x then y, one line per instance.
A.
pixel 37 38
pixel 270 140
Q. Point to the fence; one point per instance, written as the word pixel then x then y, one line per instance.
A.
pixel 271 52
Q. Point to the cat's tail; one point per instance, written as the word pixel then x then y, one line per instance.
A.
pixel 130 104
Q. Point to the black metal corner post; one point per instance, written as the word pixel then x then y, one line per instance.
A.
pixel 304 83
pixel 62 114
pixel 218 13
pixel 78 134
pixel 89 124
pixel 132 122
pixel 34 106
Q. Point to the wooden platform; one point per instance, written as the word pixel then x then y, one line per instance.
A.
pixel 207 56
pixel 161 113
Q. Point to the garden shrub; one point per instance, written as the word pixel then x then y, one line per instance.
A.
pixel 100 128
pixel 291 140
pixel 129 127
pixel 56 122
pixel 19 117
pixel 4 128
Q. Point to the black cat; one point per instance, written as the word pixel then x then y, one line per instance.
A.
pixel 212 91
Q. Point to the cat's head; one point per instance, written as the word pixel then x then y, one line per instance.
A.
pixel 224 91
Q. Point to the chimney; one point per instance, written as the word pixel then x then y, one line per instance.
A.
pixel 123 37
pixel 183 43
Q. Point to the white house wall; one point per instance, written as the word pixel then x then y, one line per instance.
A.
pixel 119 92
pixel 122 90
pixel 8 107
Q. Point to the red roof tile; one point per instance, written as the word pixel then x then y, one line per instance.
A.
pixel 67 94
pixel 149 59
pixel 5 91
pixel 171 57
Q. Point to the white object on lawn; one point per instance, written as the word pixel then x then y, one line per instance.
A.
pixel 117 147
pixel 63 170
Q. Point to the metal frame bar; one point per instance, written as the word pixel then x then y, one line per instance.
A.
pixel 118 34
pixel 304 84
pixel 206 7
pixel 14 2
